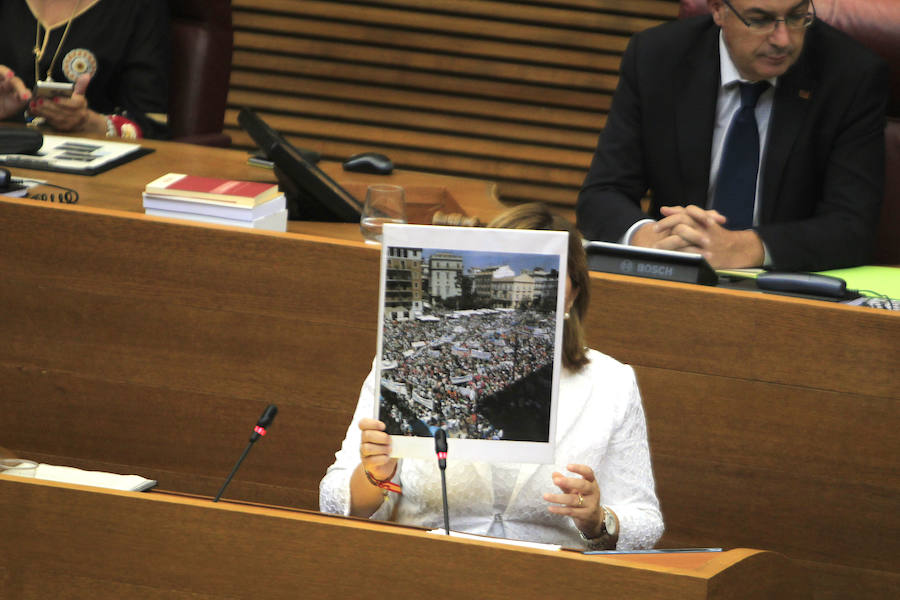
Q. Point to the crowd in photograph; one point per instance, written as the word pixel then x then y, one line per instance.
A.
pixel 441 369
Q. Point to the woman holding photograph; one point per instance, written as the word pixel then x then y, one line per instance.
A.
pixel 600 495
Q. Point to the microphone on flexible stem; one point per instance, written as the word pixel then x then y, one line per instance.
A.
pixel 440 448
pixel 265 420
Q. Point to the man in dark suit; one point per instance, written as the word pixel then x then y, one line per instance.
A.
pixel 820 174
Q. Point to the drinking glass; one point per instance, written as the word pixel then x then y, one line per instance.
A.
pixel 384 204
pixel 18 467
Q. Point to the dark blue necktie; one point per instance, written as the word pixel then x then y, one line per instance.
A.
pixel 736 182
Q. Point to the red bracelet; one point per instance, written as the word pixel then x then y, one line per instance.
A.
pixel 385 484
pixel 123 127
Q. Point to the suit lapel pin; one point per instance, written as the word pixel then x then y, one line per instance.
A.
pixel 804 94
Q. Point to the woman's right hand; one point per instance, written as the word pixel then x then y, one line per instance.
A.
pixel 375 449
pixel 13 93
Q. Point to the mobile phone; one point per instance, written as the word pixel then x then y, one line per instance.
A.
pixel 51 89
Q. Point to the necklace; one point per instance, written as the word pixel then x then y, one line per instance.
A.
pixel 40 47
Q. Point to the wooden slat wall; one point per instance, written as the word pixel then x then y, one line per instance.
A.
pixel 514 92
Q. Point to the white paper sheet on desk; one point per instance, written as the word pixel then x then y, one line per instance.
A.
pixel 114 481
pixel 494 540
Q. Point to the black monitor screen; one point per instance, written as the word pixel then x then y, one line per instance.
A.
pixel 311 194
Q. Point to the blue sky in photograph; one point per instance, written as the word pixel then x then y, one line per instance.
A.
pixel 517 261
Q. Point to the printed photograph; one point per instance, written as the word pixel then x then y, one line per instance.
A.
pixel 468 343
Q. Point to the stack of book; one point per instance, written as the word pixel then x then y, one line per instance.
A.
pixel 220 201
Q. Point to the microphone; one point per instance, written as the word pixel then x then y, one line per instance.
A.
pixel 264 421
pixel 440 448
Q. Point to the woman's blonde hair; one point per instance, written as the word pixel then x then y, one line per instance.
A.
pixel 536 215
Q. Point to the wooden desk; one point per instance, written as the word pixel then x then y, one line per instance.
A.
pixel 160 546
pixel 120 188
pixel 135 344
pixel 773 419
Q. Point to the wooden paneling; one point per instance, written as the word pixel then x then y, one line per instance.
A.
pixel 768 445
pixel 751 337
pixel 772 419
pixel 162 546
pixel 113 318
pixel 180 341
pixel 134 344
pixel 514 92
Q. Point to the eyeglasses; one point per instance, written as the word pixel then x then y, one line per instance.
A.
pixel 767 23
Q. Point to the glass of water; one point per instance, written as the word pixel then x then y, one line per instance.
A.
pixel 384 204
pixel 18 467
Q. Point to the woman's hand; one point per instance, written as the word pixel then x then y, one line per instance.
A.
pixel 70 114
pixel 580 499
pixel 375 457
pixel 13 93
pixel 375 449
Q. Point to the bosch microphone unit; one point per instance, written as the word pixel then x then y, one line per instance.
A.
pixel 667 265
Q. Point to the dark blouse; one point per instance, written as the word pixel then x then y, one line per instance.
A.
pixel 129 40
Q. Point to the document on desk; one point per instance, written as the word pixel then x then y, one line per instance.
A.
pixel 495 540
pixel 82 156
pixel 113 481
pixel 740 273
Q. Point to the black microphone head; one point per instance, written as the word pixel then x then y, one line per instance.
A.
pixel 268 416
pixel 264 421
pixel 440 448
pixel 440 441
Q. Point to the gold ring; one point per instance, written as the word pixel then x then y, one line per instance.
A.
pixel 580 500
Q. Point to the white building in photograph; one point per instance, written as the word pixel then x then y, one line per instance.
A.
pixel 512 291
pixel 545 286
pixel 445 275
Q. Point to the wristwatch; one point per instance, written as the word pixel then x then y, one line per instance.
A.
pixel 609 530
pixel 610 525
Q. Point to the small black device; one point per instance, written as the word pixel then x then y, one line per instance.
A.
pixel 20 140
pixel 265 420
pixel 812 284
pixel 11 187
pixel 369 162
pixel 648 262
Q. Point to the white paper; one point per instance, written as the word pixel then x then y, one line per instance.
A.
pixel 494 540
pixel 440 366
pixel 94 478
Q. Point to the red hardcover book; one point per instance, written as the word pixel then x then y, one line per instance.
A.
pixel 240 193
